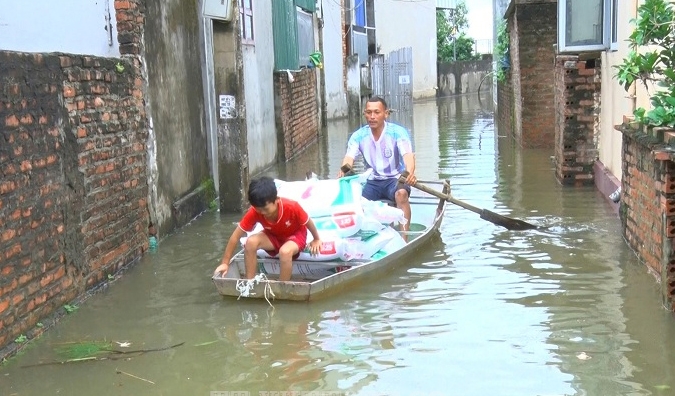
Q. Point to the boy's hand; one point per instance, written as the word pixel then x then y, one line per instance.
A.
pixel 315 247
pixel 221 269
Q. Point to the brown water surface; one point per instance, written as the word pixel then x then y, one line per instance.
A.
pixel 567 310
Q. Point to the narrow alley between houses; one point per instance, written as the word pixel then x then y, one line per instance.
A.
pixel 566 310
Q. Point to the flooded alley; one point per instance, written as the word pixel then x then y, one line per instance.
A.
pixel 563 310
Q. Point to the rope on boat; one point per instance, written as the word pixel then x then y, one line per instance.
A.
pixel 245 287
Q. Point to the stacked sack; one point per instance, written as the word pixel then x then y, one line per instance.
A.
pixel 350 226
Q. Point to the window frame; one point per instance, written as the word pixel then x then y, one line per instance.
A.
pixel 303 60
pixel 606 30
pixel 359 11
pixel 614 28
pixel 246 20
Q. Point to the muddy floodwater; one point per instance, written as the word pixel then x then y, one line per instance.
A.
pixel 566 310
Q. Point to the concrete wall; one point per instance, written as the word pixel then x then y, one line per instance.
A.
pixel 258 67
pixel 231 128
pixel 179 162
pixel 73 26
pixel 425 138
pixel 333 60
pixel 401 24
pixel 515 78
pixel 354 86
pixel 463 77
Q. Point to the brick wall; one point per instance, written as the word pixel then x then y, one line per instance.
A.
pixel 505 110
pixel 73 189
pixel 648 205
pixel 536 27
pixel 577 100
pixel 296 111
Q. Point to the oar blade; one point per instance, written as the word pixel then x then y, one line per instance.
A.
pixel 506 222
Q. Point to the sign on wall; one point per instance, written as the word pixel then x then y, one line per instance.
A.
pixel 226 104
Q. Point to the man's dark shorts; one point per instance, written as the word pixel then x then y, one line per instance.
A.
pixel 376 190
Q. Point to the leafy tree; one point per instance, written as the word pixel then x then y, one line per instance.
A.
pixel 451 38
pixel 501 52
pixel 652 60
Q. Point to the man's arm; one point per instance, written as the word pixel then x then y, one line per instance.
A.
pixel 409 161
pixel 232 243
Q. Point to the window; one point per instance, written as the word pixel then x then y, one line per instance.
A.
pixel 246 21
pixel 305 36
pixel 360 13
pixel 615 31
pixel 583 25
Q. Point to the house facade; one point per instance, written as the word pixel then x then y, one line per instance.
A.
pixel 374 30
pixel 334 50
pixel 401 24
pixel 113 128
pixel 565 96
pixel 129 123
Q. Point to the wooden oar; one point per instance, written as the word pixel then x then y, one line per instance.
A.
pixel 492 217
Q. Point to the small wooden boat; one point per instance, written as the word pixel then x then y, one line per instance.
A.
pixel 314 279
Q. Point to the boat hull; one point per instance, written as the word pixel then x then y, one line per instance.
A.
pixel 313 280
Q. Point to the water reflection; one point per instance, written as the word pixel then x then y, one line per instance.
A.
pixel 565 310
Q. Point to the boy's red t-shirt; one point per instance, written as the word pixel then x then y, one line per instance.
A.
pixel 291 218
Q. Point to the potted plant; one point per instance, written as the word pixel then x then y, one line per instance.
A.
pixel 654 64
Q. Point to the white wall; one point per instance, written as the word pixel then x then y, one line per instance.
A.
pixel 71 26
pixel 425 135
pixel 333 62
pixel 614 99
pixel 259 91
pixel 410 24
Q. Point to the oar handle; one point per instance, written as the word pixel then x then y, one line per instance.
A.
pixel 492 217
pixel 347 170
pixel 439 194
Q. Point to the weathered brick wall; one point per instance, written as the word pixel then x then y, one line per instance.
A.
pixel 296 111
pixel 537 26
pixel 73 190
pixel 106 113
pixel 505 110
pixel 648 205
pixel 34 196
pixel 577 100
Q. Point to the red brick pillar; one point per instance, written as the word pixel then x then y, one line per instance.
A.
pixel 577 99
pixel 648 203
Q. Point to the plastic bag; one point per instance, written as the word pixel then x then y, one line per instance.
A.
pixel 382 212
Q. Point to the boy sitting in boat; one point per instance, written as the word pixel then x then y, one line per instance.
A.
pixel 285 225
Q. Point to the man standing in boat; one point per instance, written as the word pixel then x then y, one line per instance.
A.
pixel 285 225
pixel 387 149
